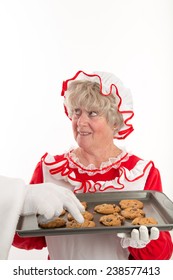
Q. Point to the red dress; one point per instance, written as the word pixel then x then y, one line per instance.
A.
pixel 126 172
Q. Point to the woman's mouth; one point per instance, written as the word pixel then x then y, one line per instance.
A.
pixel 84 133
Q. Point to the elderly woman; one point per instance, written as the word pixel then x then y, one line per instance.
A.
pixel 100 108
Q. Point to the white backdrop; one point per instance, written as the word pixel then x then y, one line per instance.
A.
pixel 44 42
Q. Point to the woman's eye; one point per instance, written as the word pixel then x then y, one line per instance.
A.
pixel 77 112
pixel 93 113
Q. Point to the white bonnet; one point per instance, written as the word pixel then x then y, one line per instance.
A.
pixel 109 84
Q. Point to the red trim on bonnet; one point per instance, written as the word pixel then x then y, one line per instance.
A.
pixel 121 134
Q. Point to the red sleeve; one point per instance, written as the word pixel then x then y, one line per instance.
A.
pixel 29 243
pixel 162 248
pixel 37 176
pixel 154 180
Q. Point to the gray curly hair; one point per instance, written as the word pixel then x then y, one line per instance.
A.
pixel 86 94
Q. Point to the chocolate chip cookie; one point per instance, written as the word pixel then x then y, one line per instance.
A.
pixel 112 220
pixel 75 224
pixel 85 204
pixel 144 221
pixel 125 203
pixel 107 208
pixel 56 222
pixel 87 216
pixel 132 213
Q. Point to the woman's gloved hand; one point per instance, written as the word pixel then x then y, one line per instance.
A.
pixel 138 238
pixel 49 200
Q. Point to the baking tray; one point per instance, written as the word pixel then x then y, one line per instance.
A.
pixel 156 204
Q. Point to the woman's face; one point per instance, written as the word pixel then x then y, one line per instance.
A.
pixel 91 130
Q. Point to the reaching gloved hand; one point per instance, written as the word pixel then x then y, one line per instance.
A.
pixel 49 200
pixel 139 238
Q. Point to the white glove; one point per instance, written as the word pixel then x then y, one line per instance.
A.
pixel 48 199
pixel 138 238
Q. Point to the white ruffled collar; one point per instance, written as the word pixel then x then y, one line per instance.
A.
pixel 91 169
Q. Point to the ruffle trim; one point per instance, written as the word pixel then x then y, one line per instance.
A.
pixel 91 169
pixel 133 179
pixel 110 85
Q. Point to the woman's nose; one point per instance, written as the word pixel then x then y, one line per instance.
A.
pixel 82 118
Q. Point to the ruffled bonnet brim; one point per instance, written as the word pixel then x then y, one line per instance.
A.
pixel 109 84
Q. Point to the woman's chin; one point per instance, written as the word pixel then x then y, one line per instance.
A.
pixel 84 145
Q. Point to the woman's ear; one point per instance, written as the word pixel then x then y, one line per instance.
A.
pixel 115 128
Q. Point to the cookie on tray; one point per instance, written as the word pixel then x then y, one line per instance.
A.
pixel 87 216
pixel 63 212
pixel 125 203
pixel 144 221
pixel 75 224
pixel 85 204
pixel 106 208
pixel 55 222
pixel 132 213
pixel 112 220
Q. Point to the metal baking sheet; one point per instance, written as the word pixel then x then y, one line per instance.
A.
pixel 156 204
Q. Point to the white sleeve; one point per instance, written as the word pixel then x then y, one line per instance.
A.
pixel 12 194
